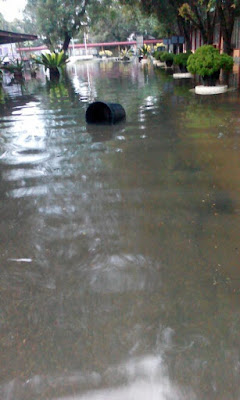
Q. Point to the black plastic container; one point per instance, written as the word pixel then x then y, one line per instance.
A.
pixel 104 113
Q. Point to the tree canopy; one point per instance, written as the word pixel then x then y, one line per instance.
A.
pixel 57 21
pixel 167 12
pixel 203 15
pixel 110 21
pixel 184 15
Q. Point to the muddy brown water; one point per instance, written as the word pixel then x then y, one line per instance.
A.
pixel 119 245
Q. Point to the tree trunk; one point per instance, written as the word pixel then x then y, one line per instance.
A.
pixel 67 39
pixel 227 45
pixel 185 30
pixel 54 74
pixel 227 24
pixel 211 19
pixel 210 33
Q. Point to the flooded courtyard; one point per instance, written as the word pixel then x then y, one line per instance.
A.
pixel 119 245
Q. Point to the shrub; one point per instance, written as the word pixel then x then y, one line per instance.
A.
pixel 207 60
pixel 158 55
pixel 165 56
pixel 226 62
pixel 181 58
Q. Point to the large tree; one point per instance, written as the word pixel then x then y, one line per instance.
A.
pixel 57 21
pixel 111 21
pixel 227 10
pixel 203 15
pixel 167 12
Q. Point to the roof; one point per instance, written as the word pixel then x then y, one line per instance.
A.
pixel 13 37
pixel 104 44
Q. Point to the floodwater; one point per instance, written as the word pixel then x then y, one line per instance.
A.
pixel 119 245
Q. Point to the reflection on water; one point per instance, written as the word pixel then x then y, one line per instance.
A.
pixel 119 245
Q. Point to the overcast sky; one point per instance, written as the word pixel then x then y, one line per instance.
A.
pixel 11 9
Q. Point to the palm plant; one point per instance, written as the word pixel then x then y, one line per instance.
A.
pixel 145 50
pixel 125 54
pixel 54 61
pixel 16 68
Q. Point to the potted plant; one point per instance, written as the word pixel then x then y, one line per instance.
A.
pixel 159 61
pixel 144 52
pixel 16 68
pixel 207 63
pixel 158 48
pixel 54 61
pixel 125 54
pixel 108 53
pixel 181 61
pixel 105 53
pixel 167 58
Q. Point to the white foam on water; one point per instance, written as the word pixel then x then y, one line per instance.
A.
pixel 146 379
pixel 137 391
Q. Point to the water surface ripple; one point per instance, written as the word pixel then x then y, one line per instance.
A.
pixel 119 247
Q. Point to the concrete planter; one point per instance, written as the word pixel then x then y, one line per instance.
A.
pixel 161 64
pixel 182 75
pixel 209 90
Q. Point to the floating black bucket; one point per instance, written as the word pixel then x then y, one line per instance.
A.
pixel 104 113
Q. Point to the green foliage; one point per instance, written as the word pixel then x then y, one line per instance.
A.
pixel 167 12
pixel 52 60
pixel 226 62
pixel 14 66
pixel 111 21
pixel 125 54
pixel 145 50
pixel 202 15
pixel 181 58
pixel 158 55
pixel 207 60
pixel 57 21
pixel 165 56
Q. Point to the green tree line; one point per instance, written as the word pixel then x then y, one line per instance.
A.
pixel 57 21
